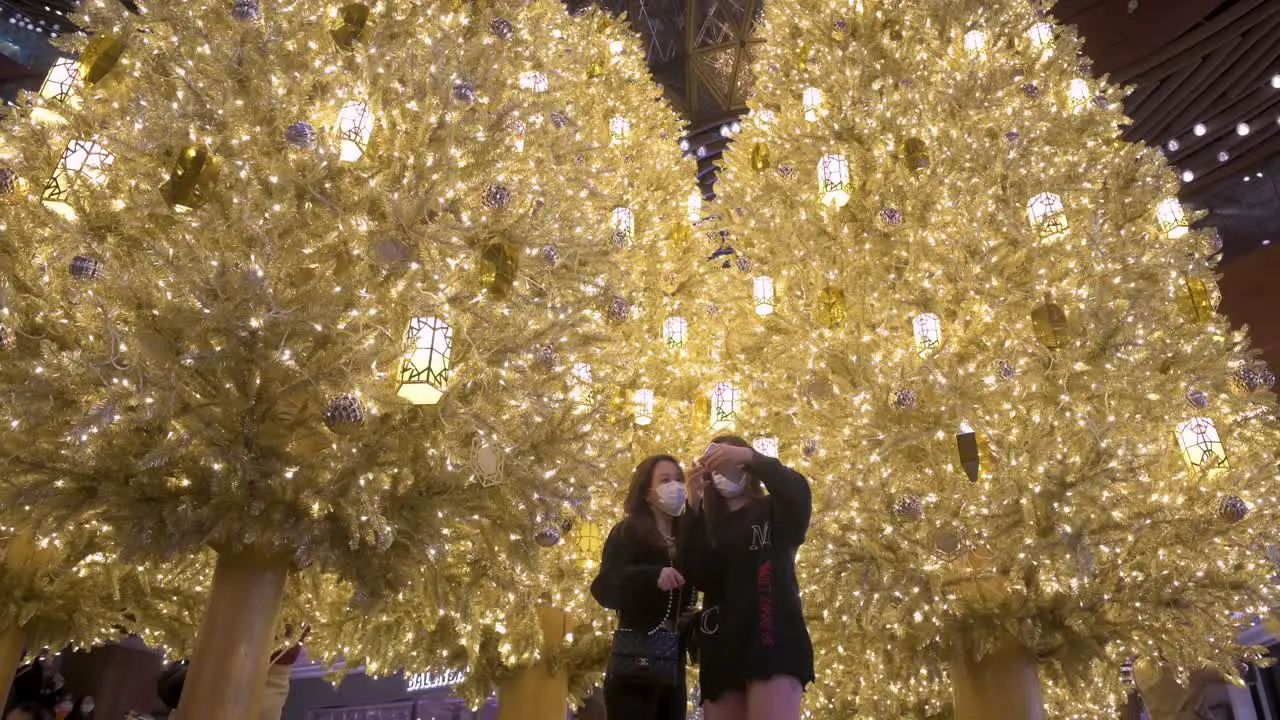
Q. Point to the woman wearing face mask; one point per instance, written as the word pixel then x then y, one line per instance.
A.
pixel 754 649
pixel 641 577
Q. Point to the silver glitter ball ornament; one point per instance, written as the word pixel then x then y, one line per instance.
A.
pixel 546 534
pixel 840 26
pixel 8 182
pixel 1197 399
pixel 344 415
pixel 809 447
pixel 247 10
pixel 712 310
pixel 1101 102
pixel 904 399
pixel 1267 378
pixel 1012 136
pixel 619 309
pixel 83 267
pixel 1031 90
pixel 550 254
pixel 1247 379
pixel 497 197
pixel 546 356
pixel 559 120
pixel 891 217
pixel 1232 509
pixel 464 92
pixel 502 29
pixel 743 263
pixel 301 135
pixel 8 339
pixel 1006 369
pixel 909 508
pixel 786 171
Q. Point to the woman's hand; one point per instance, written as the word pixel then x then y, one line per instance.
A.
pixel 697 482
pixel 669 579
pixel 723 457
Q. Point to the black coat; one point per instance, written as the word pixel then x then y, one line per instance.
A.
pixel 628 578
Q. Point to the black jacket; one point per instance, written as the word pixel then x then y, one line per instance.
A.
pixel 628 579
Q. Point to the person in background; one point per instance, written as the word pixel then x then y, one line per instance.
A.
pixel 755 654
pixel 640 578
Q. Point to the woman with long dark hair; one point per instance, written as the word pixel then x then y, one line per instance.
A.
pixel 642 578
pixel 754 649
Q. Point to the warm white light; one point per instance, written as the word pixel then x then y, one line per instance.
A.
pixel 619 129
pixel 580 388
pixel 1223 156
pixel 763 289
pixel 975 44
pixel 1171 218
pixel 533 81
pixel 675 332
pixel 642 402
pixel 812 101
pixel 1275 81
pixel 928 332
pixel 833 180
pixel 1173 145
pixel 1188 176
pixel 724 406
pixel 1200 129
pixel 424 371
pixel 82 160
pixel 1200 444
pixel 1242 129
pixel 64 81
pixel 694 207
pixel 767 446
pixel 624 225
pixel 354 128
pixel 1041 35
pixel 1078 93
pixel 1047 215
pixel 616 47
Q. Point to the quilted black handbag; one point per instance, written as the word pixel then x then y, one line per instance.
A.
pixel 647 658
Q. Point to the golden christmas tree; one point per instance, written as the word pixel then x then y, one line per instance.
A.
pixel 982 326
pixel 316 285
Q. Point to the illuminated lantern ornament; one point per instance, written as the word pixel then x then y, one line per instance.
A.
pixel 812 102
pixel 975 44
pixel 1047 215
pixel 694 207
pixel 64 82
pixel 588 541
pixel 533 81
pixel 624 226
pixel 967 447
pixel 1050 323
pixel 1173 221
pixel 424 371
pixel 195 174
pixel 915 154
pixel 1200 444
pixel 928 332
pixel 642 402
pixel 580 388
pixel 82 160
pixel 763 291
pixel 499 264
pixel 760 156
pixel 766 446
pixel 831 307
pixel 1198 299
pixel 353 20
pixel 833 180
pixel 675 332
pixel 354 128
pixel 1041 35
pixel 724 406
pixel 619 129
pixel 1078 95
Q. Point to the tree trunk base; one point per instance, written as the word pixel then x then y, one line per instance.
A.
pixel 229 670
pixel 536 693
pixel 1004 685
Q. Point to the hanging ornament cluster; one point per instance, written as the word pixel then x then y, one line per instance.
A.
pixel 1251 379
pixel 344 415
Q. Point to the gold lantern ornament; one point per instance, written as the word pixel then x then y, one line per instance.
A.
pixel 588 542
pixel 64 82
pixel 812 103
pixel 1048 216
pixel 351 25
pixel 1201 446
pixel 642 403
pixel 833 180
pixel 1172 220
pixel 1198 298
pixel 619 129
pixel 354 129
pixel 675 332
pixel 766 446
pixel 100 57
pixel 927 328
pixel 762 290
pixel 581 390
pixel 424 370
pixel 1049 321
pixel 82 161
pixel 915 154
pixel 499 263
pixel 1078 95
pixel 194 177
pixel 831 307
pixel 760 156
pixel 975 45
pixel 533 82
pixel 724 406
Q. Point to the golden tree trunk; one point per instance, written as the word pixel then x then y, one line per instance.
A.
pixel 536 693
pixel 229 670
pixel 1004 684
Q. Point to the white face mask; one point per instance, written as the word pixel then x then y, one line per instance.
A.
pixel 668 498
pixel 730 486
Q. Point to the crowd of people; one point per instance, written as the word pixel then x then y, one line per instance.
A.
pixel 730 533
pixel 39 693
